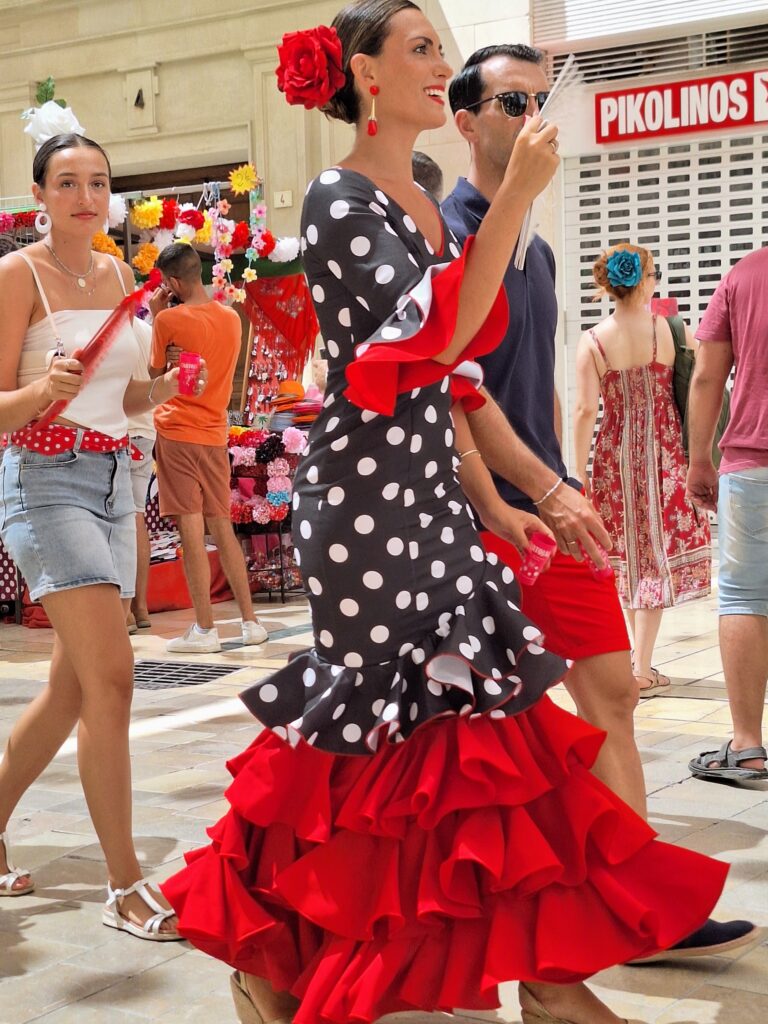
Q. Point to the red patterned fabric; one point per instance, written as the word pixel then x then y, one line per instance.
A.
pixel 661 543
pixel 56 439
pixel 480 851
pixel 281 309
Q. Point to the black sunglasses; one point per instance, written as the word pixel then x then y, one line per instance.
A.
pixel 514 104
pixel 656 274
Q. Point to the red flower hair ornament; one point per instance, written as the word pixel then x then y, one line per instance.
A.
pixel 310 72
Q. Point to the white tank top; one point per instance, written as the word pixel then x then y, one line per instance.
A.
pixel 100 404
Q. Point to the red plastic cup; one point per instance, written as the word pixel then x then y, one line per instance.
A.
pixel 536 558
pixel 600 572
pixel 189 368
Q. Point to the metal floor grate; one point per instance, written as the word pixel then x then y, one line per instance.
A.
pixel 164 675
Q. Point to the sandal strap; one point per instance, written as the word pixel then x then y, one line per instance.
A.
pixel 152 924
pixel 737 756
pixel 13 871
pixel 8 880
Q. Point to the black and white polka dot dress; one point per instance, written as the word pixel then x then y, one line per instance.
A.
pixel 412 619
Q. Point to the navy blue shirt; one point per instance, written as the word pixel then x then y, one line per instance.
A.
pixel 520 373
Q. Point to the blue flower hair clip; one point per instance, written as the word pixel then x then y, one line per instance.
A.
pixel 624 269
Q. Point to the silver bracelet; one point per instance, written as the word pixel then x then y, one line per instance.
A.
pixel 151 389
pixel 550 492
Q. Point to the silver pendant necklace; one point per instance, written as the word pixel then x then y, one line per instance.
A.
pixel 79 278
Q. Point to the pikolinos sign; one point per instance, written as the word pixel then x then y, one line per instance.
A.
pixel 700 104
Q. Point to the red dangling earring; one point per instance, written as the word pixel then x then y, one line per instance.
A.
pixel 373 124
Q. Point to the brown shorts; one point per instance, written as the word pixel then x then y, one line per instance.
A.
pixel 192 478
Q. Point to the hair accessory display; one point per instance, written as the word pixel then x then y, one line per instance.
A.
pixel 310 69
pixel 624 269
pixel 373 124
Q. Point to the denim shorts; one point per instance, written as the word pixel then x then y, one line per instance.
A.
pixel 742 516
pixel 141 471
pixel 68 520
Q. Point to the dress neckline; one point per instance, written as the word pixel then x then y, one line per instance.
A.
pixel 404 213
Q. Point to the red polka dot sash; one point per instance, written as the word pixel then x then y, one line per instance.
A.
pixel 56 438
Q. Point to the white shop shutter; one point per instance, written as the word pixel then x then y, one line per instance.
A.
pixel 699 206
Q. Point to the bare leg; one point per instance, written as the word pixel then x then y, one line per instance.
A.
pixel 143 552
pixel 744 649
pixel 605 694
pixel 233 564
pixel 197 568
pixel 40 731
pixel 574 1003
pixel 645 629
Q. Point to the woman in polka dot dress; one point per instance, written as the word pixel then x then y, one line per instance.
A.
pixel 418 823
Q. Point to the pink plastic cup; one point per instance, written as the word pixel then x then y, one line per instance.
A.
pixel 600 572
pixel 536 558
pixel 189 368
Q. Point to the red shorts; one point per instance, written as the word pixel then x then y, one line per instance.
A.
pixel 579 616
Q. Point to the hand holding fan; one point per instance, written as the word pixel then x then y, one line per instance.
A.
pixel 100 343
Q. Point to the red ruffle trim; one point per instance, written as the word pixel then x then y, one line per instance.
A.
pixel 464 391
pixel 424 876
pixel 385 369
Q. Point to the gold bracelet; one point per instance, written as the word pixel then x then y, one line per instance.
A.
pixel 472 451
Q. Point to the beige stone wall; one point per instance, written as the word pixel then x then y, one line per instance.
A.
pixel 206 75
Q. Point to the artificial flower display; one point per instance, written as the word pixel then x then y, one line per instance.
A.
pixel 145 258
pixel 102 242
pixel 169 216
pixel 147 213
pixel 118 211
pixel 7 222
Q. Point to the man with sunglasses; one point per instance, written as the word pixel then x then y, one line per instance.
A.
pixel 518 436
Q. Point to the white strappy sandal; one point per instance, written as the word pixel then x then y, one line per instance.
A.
pixel 13 874
pixel 150 930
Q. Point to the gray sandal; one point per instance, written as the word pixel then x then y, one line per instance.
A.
pixel 729 762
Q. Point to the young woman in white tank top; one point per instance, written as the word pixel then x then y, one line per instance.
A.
pixel 67 514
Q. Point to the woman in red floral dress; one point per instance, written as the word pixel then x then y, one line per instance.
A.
pixel 661 543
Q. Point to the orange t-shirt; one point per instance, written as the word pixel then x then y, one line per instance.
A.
pixel 214 331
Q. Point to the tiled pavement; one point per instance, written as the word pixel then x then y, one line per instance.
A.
pixel 59 965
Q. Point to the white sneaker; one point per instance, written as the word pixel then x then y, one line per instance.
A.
pixel 254 633
pixel 195 642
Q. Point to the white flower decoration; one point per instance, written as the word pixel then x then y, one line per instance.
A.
pixel 286 249
pixel 50 120
pixel 163 237
pixel 118 211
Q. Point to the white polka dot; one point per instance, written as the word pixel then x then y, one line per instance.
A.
pixel 447 535
pixel 435 688
pixel 449 438
pixel 312 475
pixel 405 649
pixel 437 569
pixel 315 586
pixel 305 529
pixel 391 490
pixel 388 227
pixel 410 223
pixel 339 712
pixel 361 350
pixel 366 466
pixel 511 657
pixel 312 234
pixel 268 693
pixel 429 248
pixel 384 273
pixel 390 712
pixel 413 712
pixel 454 250
pixel 395 435
pixel 345 319
pixel 332 423
pixel 373 580
pixel 495 673
pixel 489 625
pixel 464 585
pixel 360 246
pixel 430 469
pixel 416 392
pixel 413 549
pixel 403 599
pixel 430 414
pixel 353 660
pixel 326 638
pixel 318 294
pixel 332 349
pixel 329 177
pixel 338 553
pixel 467 651
pixel 416 443
pixel 408 497
pixel 351 733
pixel 364 524
pixel 422 601
pixel 340 443
pixel 334 268
pixel 455 507
pixel 349 607
pixel 379 634
pixel 477 553
pixel 378 706
pixel 395 546
pixel 381 197
pixel 281 732
pixel 362 302
pixel 367 415
pixel 535 649
pixel 339 209
pixel 336 496
pixel 309 676
pixel 390 333
pixel 377 209
pixel 424 520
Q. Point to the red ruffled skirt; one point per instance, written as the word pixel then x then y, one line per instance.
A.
pixel 479 851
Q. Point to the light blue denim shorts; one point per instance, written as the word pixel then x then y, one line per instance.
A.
pixel 742 517
pixel 68 520
pixel 141 471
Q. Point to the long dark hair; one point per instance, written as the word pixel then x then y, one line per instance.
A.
pixel 362 27
pixel 70 140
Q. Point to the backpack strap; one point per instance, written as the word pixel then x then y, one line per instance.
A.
pixel 677 327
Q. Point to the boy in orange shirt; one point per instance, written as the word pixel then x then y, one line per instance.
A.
pixel 191 449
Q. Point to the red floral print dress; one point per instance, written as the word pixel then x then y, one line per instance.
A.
pixel 661 543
